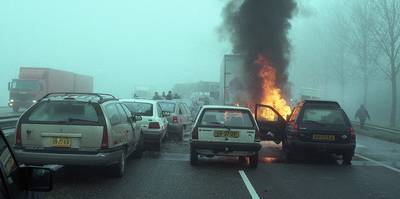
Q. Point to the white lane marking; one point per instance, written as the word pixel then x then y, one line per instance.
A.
pixel 379 163
pixel 249 187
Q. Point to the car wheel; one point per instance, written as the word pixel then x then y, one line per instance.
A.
pixel 138 153
pixel 118 169
pixel 254 160
pixel 194 157
pixel 347 157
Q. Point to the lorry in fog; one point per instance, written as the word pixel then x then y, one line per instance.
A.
pixel 232 89
pixel 33 83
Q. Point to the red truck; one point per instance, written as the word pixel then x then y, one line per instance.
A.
pixel 33 83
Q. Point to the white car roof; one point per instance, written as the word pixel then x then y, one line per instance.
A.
pixel 139 100
pixel 225 107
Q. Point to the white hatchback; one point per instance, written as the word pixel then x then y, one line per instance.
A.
pixel 154 123
pixel 225 131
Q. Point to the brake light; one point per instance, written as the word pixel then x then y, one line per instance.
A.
pixel 174 119
pixel 18 139
pixel 154 125
pixel 352 132
pixel 195 133
pixel 104 140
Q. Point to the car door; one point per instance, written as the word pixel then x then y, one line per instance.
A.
pixel 128 132
pixel 135 124
pixel 270 122
pixel 118 129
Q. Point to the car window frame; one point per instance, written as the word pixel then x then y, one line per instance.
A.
pixel 202 112
pixel 109 116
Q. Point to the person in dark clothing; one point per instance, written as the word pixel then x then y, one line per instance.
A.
pixel 157 96
pixel 176 96
pixel 163 95
pixel 169 96
pixel 362 114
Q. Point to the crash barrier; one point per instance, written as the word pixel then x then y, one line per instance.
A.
pixel 8 122
pixel 378 127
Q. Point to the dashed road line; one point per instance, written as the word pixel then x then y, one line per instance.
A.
pixel 249 187
pixel 379 163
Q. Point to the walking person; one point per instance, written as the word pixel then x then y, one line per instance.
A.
pixel 362 114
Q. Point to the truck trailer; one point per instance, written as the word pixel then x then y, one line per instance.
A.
pixel 33 83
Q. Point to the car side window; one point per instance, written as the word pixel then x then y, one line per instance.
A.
pixel 180 109
pixel 122 113
pixel 159 110
pixel 294 114
pixel 113 114
pixel 8 167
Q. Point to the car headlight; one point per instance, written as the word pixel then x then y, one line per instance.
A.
pixel 34 101
pixel 11 100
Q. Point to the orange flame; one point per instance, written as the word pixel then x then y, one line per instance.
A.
pixel 271 93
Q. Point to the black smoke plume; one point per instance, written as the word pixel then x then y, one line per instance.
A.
pixel 260 27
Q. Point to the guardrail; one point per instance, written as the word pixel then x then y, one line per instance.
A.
pixel 377 127
pixel 8 122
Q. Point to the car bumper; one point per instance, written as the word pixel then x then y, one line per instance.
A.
pixel 78 159
pixel 152 136
pixel 321 146
pixel 223 148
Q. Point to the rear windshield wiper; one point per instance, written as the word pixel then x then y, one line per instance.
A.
pixel 314 122
pixel 219 124
pixel 80 120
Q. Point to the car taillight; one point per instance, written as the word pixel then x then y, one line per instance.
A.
pixel 195 133
pixel 104 140
pixel 352 132
pixel 18 139
pixel 154 125
pixel 294 129
pixel 174 119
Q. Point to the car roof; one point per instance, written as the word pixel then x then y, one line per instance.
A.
pixel 139 100
pixel 321 102
pixel 225 107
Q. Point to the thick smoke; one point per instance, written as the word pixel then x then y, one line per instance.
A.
pixel 260 27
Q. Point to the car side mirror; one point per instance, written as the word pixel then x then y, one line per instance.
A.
pixel 137 118
pixel 166 113
pixel 34 178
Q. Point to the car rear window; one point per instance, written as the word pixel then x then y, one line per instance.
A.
pixel 166 106
pixel 323 115
pixel 225 117
pixel 142 108
pixel 64 112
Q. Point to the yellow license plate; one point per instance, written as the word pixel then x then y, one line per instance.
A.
pixel 323 137
pixel 61 142
pixel 233 134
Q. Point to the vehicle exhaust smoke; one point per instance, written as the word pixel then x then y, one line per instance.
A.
pixel 259 28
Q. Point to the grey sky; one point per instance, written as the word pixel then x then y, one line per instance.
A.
pixel 120 43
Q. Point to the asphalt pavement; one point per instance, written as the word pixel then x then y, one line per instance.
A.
pixel 168 174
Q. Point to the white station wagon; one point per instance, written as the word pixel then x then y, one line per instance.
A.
pixel 225 131
pixel 78 129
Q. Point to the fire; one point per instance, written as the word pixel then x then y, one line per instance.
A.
pixel 271 94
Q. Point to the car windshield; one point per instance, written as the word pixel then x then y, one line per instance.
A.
pixel 168 106
pixel 64 112
pixel 144 109
pixel 226 118
pixel 324 116
pixel 26 85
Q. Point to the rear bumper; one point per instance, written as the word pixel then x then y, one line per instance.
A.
pixel 174 128
pixel 152 136
pixel 78 159
pixel 297 144
pixel 223 148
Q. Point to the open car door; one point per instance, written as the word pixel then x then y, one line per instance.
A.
pixel 270 122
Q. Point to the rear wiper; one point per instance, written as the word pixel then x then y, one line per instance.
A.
pixel 219 124
pixel 80 120
pixel 314 122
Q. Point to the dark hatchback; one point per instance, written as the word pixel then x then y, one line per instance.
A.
pixel 312 126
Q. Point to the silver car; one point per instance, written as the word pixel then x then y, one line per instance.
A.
pixel 78 129
pixel 180 118
pixel 154 123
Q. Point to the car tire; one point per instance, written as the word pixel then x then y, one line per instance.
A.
pixel 118 169
pixel 194 157
pixel 347 157
pixel 254 160
pixel 138 153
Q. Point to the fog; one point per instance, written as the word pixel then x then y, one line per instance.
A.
pixel 125 43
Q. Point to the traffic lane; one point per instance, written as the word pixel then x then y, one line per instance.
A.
pixel 320 175
pixel 324 181
pixel 156 175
